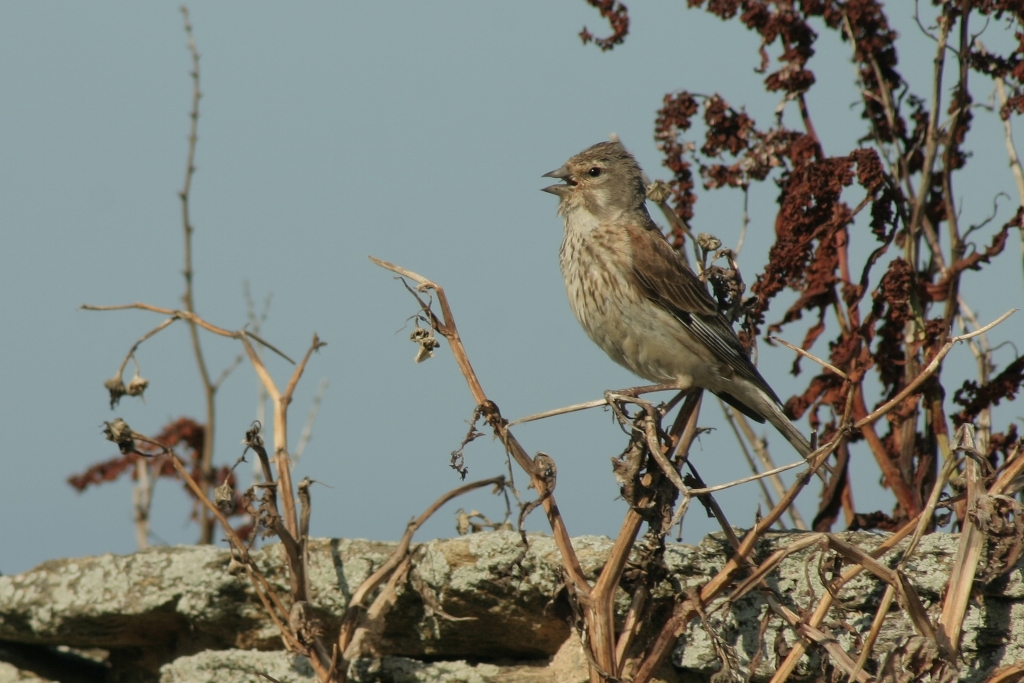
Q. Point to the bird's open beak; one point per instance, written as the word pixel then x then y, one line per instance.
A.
pixel 561 188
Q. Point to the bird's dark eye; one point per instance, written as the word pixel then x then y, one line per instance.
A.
pixel 594 172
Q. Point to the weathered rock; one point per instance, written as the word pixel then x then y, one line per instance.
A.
pixel 569 665
pixel 993 627
pixel 178 607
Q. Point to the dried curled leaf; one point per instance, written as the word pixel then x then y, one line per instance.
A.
pixel 915 659
pixel 618 17
pixel 1001 519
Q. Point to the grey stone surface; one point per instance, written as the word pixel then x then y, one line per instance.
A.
pixel 993 627
pixel 237 666
pixel 167 608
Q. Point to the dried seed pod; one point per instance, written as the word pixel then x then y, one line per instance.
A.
pixel 120 433
pixel 116 388
pixel 224 497
pixel 708 242
pixel 137 385
pixel 658 191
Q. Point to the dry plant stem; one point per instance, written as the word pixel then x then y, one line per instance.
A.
pixel 731 419
pixel 142 494
pixel 1011 472
pixel 691 607
pixel 560 411
pixel 839 656
pixel 928 371
pixel 206 461
pixel 280 404
pixel 366 636
pixel 669 470
pixel 890 472
pixel 355 627
pixel 931 136
pixel 631 624
pixel 746 480
pixel 611 574
pixel 266 593
pixel 924 521
pixel 807 354
pixel 135 346
pixel 1011 149
pixel 378 577
pixel 446 327
pixel 185 315
pixel 825 640
pixel 586 405
pixel 905 592
pixel 292 544
pixel 958 593
pixel 876 628
pixel 761 450
pixel 758 573
pixel 800 647
pixel 1009 674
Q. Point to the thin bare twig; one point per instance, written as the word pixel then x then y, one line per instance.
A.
pixel 188 298
pixel 807 354
pixel 186 315
pixel 359 622
pixel 135 346
pixel 760 448
pixel 745 480
pixel 560 411
pixel 728 412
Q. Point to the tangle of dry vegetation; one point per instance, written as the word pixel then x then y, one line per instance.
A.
pixel 892 315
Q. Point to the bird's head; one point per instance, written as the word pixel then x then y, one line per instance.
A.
pixel 602 179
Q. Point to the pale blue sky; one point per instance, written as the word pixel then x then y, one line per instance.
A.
pixel 416 132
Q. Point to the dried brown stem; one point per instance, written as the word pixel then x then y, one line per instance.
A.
pixel 730 416
pixel 142 498
pixel 800 648
pixel 931 136
pixel 374 580
pixel 446 327
pixel 188 298
pixel 928 371
pixel 360 622
pixel 135 346
pixel 691 607
pixel 185 315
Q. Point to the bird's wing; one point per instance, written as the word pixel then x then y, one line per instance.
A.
pixel 663 276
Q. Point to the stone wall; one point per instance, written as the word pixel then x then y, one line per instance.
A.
pixel 175 614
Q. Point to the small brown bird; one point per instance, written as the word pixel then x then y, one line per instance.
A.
pixel 638 300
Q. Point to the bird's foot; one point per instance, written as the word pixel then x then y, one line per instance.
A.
pixel 619 397
pixel 617 402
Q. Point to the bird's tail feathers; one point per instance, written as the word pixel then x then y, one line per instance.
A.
pixel 774 414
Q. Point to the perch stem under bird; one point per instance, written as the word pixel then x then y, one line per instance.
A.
pixel 637 298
